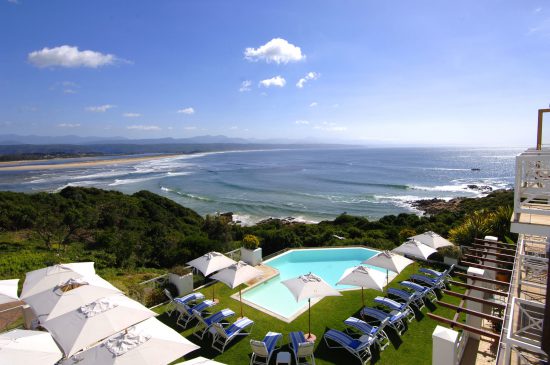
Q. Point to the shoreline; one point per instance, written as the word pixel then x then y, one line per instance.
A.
pixel 13 165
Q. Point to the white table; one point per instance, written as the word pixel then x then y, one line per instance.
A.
pixel 283 358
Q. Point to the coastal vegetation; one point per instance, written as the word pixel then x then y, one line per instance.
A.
pixel 144 231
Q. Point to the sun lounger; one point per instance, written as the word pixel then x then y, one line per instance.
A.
pixel 396 306
pixel 397 320
pixel 424 291
pixel 192 297
pixel 222 336
pixel 204 324
pixel 301 348
pixel 405 296
pixel 377 332
pixel 445 275
pixel 186 312
pixel 433 283
pixel 358 348
pixel 264 349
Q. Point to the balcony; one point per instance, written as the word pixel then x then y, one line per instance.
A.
pixel 532 193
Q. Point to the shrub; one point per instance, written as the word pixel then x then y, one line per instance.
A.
pixel 251 242
pixel 451 251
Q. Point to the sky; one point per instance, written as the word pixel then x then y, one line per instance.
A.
pixel 401 72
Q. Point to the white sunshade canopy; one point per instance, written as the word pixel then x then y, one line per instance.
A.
pixel 365 277
pixel 416 249
pixel 8 291
pixel 23 347
pixel 432 239
pixel 390 261
pixel 309 286
pixel 200 361
pixel 49 277
pixel 211 262
pixel 150 342
pixel 236 274
pixel 68 296
pixel 90 323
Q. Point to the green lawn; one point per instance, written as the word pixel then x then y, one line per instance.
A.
pixel 413 347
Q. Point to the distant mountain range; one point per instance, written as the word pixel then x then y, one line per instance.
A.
pixel 14 139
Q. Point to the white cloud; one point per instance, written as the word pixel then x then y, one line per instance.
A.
pixel 67 87
pixel 330 127
pixel 16 2
pixel 542 29
pixel 274 81
pixel 68 125
pixel 233 128
pixel 68 56
pixel 131 115
pixel 302 122
pixel 144 127
pixel 538 10
pixel 99 108
pixel 190 128
pixel 187 111
pixel 277 50
pixel 245 86
pixel 313 105
pixel 310 76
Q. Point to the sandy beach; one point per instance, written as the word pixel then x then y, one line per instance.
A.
pixel 39 165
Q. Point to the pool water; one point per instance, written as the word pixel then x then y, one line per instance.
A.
pixel 328 263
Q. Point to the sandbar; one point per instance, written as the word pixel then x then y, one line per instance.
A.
pixel 14 165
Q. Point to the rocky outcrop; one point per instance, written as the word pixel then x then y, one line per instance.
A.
pixel 434 206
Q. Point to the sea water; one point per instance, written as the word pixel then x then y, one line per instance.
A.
pixel 308 184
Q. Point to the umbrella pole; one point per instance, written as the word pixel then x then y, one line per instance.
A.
pixel 387 277
pixel 213 295
pixel 241 300
pixel 362 297
pixel 309 318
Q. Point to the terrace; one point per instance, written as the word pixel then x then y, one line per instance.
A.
pixel 414 346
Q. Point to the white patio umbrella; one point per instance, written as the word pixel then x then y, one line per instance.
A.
pixel 210 263
pixel 236 274
pixel 23 347
pixel 307 287
pixel 416 249
pixel 432 239
pixel 150 342
pixel 49 277
pixel 390 261
pixel 8 291
pixel 80 328
pixel 200 361
pixel 68 296
pixel 363 276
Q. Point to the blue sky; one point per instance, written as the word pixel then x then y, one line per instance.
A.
pixel 405 72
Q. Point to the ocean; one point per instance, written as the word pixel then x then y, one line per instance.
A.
pixel 308 184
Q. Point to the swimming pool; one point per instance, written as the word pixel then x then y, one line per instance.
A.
pixel 329 263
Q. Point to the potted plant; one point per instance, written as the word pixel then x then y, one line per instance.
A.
pixel 251 253
pixel 451 254
pixel 182 278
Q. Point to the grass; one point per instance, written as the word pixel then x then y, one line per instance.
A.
pixel 413 347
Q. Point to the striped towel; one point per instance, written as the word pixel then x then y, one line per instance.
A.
pixel 238 326
pixel 414 286
pixel 270 340
pixel 218 316
pixel 203 305
pixel 189 298
pixel 296 338
pixel 392 304
pixel 345 340
pixel 360 325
